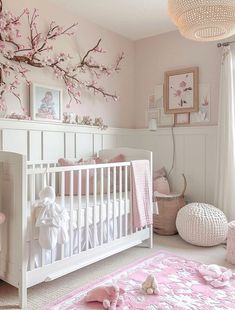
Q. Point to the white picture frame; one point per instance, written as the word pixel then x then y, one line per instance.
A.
pixel 46 103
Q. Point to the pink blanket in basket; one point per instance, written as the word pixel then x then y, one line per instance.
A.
pixel 141 193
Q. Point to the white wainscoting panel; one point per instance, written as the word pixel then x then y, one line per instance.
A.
pixel 15 141
pixel 70 145
pixel 195 147
pixel 35 145
pixel 53 145
pixel 84 145
pixel 98 143
pixel 109 141
pixel 195 157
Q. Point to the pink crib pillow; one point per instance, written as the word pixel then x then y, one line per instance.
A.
pixel 117 159
pixel 65 162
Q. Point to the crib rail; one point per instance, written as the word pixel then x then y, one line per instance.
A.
pixel 97 198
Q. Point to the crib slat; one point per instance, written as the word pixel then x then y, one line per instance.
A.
pixel 126 200
pixel 108 204
pixel 94 207
pixel 43 257
pixel 79 209
pixel 87 209
pixel 43 179
pixel 120 202
pixel 53 180
pixel 101 205
pixel 114 204
pixel 32 219
pixel 130 204
pixel 71 213
pixel 62 193
pixel 53 184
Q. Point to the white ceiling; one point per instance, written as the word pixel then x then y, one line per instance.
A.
pixel 134 19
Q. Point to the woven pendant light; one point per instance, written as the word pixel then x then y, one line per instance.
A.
pixel 203 20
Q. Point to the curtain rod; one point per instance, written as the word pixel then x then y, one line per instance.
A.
pixel 225 44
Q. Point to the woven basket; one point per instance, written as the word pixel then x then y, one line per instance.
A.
pixel 168 207
pixel 230 256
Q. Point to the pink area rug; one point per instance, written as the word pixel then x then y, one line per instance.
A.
pixel 181 287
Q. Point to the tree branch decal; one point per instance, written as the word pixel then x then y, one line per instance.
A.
pixel 16 58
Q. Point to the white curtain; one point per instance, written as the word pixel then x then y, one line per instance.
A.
pixel 225 172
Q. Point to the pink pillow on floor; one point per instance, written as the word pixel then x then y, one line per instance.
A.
pixel 161 185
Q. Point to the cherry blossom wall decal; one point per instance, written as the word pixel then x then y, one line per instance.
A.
pixel 19 54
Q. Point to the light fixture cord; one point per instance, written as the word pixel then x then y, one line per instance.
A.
pixel 173 155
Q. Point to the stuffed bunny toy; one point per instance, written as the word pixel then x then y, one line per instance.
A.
pixel 150 285
pixel 52 220
pixel 109 296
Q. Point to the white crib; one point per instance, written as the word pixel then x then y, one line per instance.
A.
pixel 100 222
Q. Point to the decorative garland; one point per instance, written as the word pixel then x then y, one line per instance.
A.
pixel 38 52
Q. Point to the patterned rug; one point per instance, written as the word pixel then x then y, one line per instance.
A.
pixel 181 287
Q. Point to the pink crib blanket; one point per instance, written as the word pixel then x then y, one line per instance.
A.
pixel 141 193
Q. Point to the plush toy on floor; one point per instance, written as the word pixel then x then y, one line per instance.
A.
pixel 109 296
pixel 150 285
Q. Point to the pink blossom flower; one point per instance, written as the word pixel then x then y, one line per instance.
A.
pixel 183 84
pixel 178 93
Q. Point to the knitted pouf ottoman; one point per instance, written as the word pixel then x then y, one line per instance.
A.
pixel 202 224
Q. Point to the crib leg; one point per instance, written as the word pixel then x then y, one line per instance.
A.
pixel 149 242
pixel 23 297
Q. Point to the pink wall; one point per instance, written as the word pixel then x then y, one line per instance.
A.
pixel 142 69
pixel 170 51
pixel 119 114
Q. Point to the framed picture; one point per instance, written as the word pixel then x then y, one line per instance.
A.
pixel 181 91
pixel 164 120
pixel 151 102
pixel 203 115
pixel 46 103
pixel 181 119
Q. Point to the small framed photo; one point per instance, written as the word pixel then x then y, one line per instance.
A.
pixel 181 119
pixel 151 102
pixel 181 90
pixel 46 103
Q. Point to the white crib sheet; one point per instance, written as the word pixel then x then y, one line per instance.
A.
pixel 93 212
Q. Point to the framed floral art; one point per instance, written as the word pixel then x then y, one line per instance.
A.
pixel 181 90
